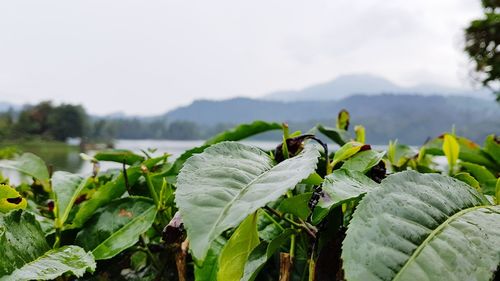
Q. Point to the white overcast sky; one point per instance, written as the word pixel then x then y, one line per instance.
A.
pixel 146 57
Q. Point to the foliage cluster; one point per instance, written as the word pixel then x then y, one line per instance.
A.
pixel 231 211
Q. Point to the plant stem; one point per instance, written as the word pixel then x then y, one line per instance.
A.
pixel 273 220
pixel 150 185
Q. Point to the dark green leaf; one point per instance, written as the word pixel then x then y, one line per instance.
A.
pixel 339 136
pixel 117 226
pixel 119 156
pixel 297 205
pixel 363 161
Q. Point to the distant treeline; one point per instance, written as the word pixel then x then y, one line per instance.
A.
pixel 60 122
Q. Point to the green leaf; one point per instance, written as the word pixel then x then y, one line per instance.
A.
pixel 492 148
pixel 363 161
pixel 262 253
pixel 343 120
pixel 28 164
pixel 469 151
pixel 208 271
pixel 360 133
pixel 422 227
pixel 399 154
pixel 53 264
pixel 10 199
pixel 297 205
pixel 346 151
pixel 25 254
pixel 117 226
pixel 339 136
pixel 66 187
pixel 340 187
pixel 111 190
pixel 237 133
pixel 243 131
pixel 237 249
pixel 483 176
pixel 232 180
pixel 451 150
pixel 468 179
pixel 119 156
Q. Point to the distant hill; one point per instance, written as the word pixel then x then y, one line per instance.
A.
pixel 348 85
pixel 5 106
pixel 410 118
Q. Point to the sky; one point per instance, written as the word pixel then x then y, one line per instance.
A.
pixel 148 57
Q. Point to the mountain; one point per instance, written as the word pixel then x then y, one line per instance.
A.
pixel 410 118
pixel 348 85
pixel 5 106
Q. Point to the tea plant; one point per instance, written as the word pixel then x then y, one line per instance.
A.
pixel 231 211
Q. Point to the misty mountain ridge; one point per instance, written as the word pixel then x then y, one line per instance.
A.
pixel 354 84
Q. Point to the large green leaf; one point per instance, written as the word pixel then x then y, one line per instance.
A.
pixel 240 132
pixel 340 187
pixel 237 249
pixel 422 227
pixel 28 164
pixel 119 156
pixel 111 190
pixel 53 264
pixel 66 187
pixel 363 161
pixel 117 226
pixel 262 253
pixel 25 254
pixel 297 205
pixel 232 180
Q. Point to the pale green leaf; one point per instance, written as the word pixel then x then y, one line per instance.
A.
pixel 232 180
pixel 10 199
pixel 363 161
pixel 28 164
pixel 237 249
pixel 422 227
pixel 54 263
pixel 66 187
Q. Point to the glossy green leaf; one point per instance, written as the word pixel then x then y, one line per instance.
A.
pixel 66 187
pixel 339 136
pixel 28 164
pixel 296 205
pixel 54 263
pixel 208 271
pixel 346 151
pixel 363 161
pixel 232 180
pixel 422 227
pixel 483 176
pixel 243 131
pixel 451 150
pixel 10 199
pixel 339 187
pixel 111 190
pixel 492 148
pixel 237 249
pixel 117 226
pixel 119 156
pixel 25 254
pixel 262 253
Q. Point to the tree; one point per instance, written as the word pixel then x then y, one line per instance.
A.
pixel 66 121
pixel 482 39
